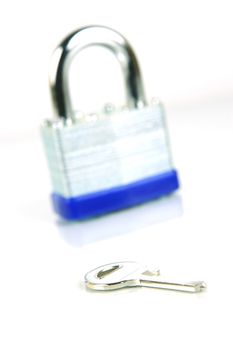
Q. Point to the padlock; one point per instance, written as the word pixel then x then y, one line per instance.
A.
pixel 112 161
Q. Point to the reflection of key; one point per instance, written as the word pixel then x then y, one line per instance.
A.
pixel 132 274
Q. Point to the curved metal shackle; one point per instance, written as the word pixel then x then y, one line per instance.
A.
pixel 79 40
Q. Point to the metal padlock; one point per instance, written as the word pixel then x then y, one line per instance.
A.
pixel 115 161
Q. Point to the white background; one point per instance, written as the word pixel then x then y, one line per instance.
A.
pixel 186 54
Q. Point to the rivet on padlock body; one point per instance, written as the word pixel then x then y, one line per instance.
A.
pixel 116 161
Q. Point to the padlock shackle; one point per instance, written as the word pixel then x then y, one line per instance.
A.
pixel 81 39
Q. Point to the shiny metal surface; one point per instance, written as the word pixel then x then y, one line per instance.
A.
pixel 132 274
pixel 115 150
pixel 79 40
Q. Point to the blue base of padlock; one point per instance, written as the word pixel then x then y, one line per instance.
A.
pixel 103 202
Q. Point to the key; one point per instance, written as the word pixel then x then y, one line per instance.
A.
pixel 132 274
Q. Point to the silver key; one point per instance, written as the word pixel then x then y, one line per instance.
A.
pixel 132 274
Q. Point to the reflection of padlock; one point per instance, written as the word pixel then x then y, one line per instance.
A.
pixel 113 161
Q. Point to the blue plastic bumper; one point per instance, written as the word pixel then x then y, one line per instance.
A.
pixel 117 198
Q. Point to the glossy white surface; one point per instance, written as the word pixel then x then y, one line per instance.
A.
pixel 44 303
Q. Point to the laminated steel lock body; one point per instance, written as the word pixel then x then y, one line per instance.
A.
pixel 116 162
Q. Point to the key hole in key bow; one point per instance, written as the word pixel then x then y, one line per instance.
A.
pixel 107 271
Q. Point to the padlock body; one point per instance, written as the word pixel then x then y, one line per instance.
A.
pixel 109 163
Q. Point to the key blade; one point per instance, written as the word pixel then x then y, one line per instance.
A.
pixel 192 287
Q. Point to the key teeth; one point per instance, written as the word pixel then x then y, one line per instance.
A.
pixel 199 286
pixel 203 285
pixel 154 272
